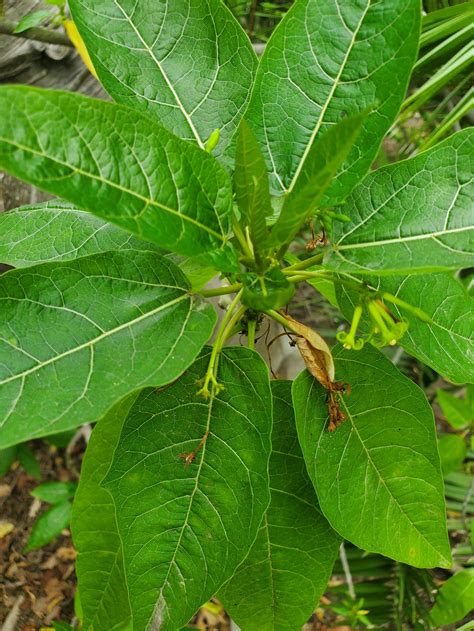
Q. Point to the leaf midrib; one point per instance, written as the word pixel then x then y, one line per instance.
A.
pixel 161 598
pixel 329 98
pixel 270 561
pixel 384 484
pixel 164 75
pixel 96 340
pixel 416 237
pixel 123 189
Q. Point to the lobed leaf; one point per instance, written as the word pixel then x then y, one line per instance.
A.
pixel 189 72
pixel 279 584
pixel 99 563
pixel 118 164
pixel 324 58
pixel 75 337
pixel 377 477
pixel 414 216
pixel 185 529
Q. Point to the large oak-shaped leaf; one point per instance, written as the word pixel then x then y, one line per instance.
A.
pixel 185 529
pixel 99 563
pixel 279 584
pixel 59 231
pixel 118 164
pixel 189 64
pixel 327 58
pixel 416 215
pixel 447 342
pixel 378 476
pixel 75 337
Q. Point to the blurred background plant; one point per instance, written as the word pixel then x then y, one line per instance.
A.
pixel 442 94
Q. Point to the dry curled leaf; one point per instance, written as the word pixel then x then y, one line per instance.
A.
pixel 315 352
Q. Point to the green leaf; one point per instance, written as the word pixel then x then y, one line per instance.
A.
pixel 7 458
pixel 377 477
pixel 252 193
pixel 325 58
pixel 446 343
pixel 197 271
pixel 270 290
pixel 59 231
pixel 323 161
pixel 35 18
pixel 455 599
pixel 452 451
pixel 54 492
pixel 458 412
pixel 280 583
pixel 99 564
pixel 118 164
pixel 49 525
pixel 326 288
pixel 191 72
pixel 185 529
pixel 28 461
pixel 77 336
pixel 412 216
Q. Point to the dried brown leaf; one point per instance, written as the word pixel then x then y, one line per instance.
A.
pixel 315 352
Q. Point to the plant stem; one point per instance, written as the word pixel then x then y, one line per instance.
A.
pixel 312 260
pixel 419 313
pixel 37 33
pixel 225 333
pixel 220 291
pixel 229 331
pixel 280 319
pixel 300 276
pixel 251 328
pixel 239 235
pixel 210 376
pixel 347 571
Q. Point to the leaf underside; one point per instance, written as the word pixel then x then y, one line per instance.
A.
pixel 378 476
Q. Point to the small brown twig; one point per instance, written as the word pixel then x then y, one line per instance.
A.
pixel 191 456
